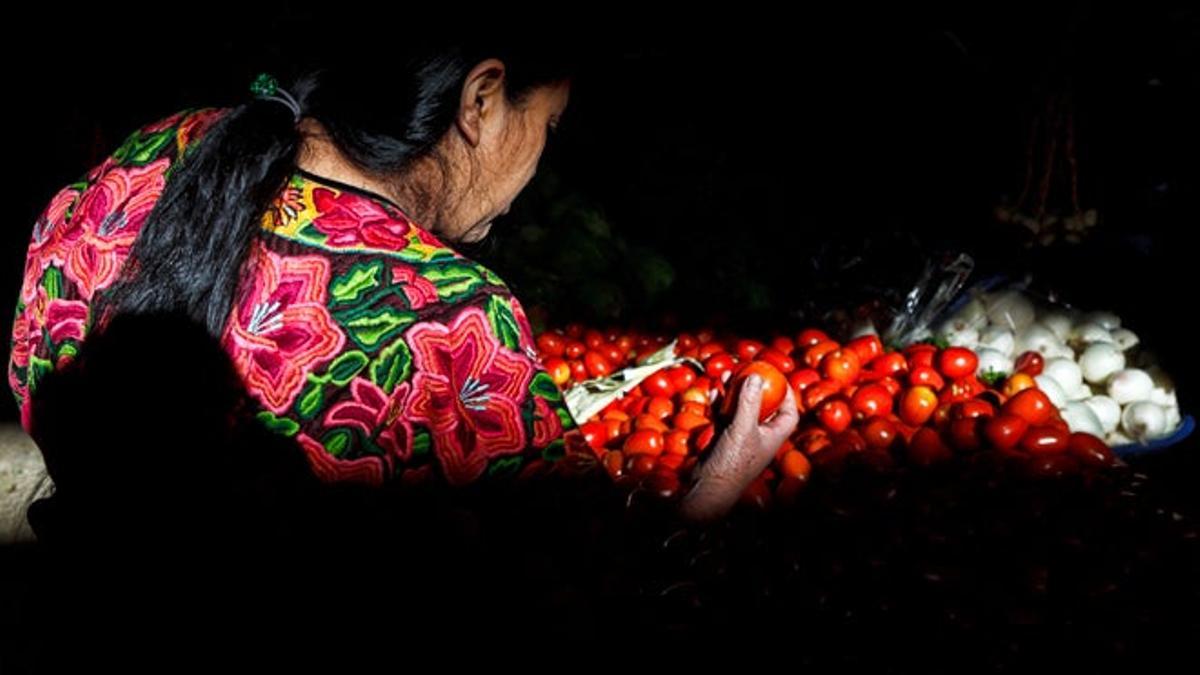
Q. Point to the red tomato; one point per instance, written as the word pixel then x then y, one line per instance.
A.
pixel 579 372
pixel 1090 450
pixel 681 377
pixel 574 349
pixel 594 434
pixel 1032 405
pixel 814 354
pixel 892 363
pixel 650 422
pixel 920 355
pixel 773 384
pixel 686 421
pixel 748 349
pixel 661 407
pixel 924 376
pixel 719 364
pixel 973 408
pixel 1052 466
pixel 614 354
pixel 964 388
pixel 1030 363
pixel 676 442
pixel 1017 383
pixel 781 361
pixel 694 408
pixel 551 344
pixel 842 366
pixel 704 335
pixel 871 400
pixel 694 395
pixel 918 405
pixel 835 415
pixel 597 364
pixel 810 337
pixel 956 362
pixel 784 345
pixel 802 379
pixel 815 394
pixel 593 338
pixel 640 464
pixel 574 331
pixel 965 433
pixel 560 370
pixel 614 463
pixel 795 465
pixel 669 462
pixel 686 341
pixel 880 432
pixel 658 384
pixel 927 448
pixel 1005 431
pixel 1045 440
pixel 702 436
pixel 707 349
pixel 892 385
pixel 868 348
pixel 644 442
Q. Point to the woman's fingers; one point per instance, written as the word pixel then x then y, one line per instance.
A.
pixel 749 404
pixel 787 417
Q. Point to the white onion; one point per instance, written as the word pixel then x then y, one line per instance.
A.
pixel 999 339
pixel 1080 417
pixel 1173 418
pixel 973 314
pixel 1117 438
pixel 1058 323
pixel 1107 411
pixel 1144 420
pixel 1082 393
pixel 1064 371
pixel 1087 333
pixel 1100 360
pixel 1129 385
pixel 1060 351
pixel 1035 338
pixel 958 334
pixel 1162 397
pixel 1125 338
pixel 1011 310
pixel 1108 320
pixel 993 361
pixel 1052 389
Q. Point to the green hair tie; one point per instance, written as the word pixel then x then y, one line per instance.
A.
pixel 267 87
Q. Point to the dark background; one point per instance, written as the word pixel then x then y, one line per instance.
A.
pixel 723 164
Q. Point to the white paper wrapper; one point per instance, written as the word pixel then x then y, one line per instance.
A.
pixel 587 398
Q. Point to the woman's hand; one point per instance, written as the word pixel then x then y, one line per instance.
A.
pixel 741 453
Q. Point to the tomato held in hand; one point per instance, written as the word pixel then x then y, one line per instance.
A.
pixel 773 385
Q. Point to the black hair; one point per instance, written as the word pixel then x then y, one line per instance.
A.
pixel 384 106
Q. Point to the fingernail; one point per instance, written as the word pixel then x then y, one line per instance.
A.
pixel 754 381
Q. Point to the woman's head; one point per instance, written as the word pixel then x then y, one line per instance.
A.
pixel 457 140
pixel 450 127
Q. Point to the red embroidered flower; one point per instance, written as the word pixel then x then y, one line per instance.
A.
pixel 106 222
pixel 282 330
pixel 419 290
pixel 349 219
pixel 369 410
pixel 468 388
pixel 65 320
pixel 330 469
pixel 45 246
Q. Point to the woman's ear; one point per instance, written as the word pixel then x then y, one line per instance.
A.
pixel 482 95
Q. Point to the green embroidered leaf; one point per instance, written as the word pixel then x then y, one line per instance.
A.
pixel 369 328
pixel 346 366
pixel 393 366
pixel 421 443
pixel 38 368
pixel 279 425
pixel 52 281
pixel 555 451
pixel 142 149
pixel 310 233
pixel 505 467
pixel 454 281
pixel 564 416
pixel 336 441
pixel 543 385
pixel 68 348
pixel 361 278
pixel 504 324
pixel 309 403
pixel 493 278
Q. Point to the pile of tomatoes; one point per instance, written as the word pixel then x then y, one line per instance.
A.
pixel 858 402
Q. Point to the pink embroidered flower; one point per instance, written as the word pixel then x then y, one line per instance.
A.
pixel 65 320
pixel 369 410
pixel 106 223
pixel 468 390
pixel 330 469
pixel 282 330
pixel 349 219
pixel 45 244
pixel 419 290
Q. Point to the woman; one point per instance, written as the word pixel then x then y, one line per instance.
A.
pixel 310 231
